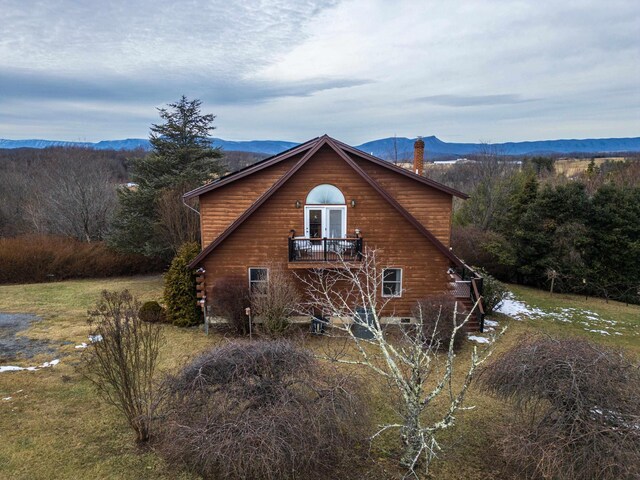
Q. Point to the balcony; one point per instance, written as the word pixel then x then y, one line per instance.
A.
pixel 321 250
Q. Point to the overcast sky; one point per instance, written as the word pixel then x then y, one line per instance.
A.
pixel 291 70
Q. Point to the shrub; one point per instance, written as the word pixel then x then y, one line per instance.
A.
pixel 121 365
pixel 152 312
pixel 437 315
pixel 261 410
pixel 274 301
pixel 493 291
pixel 577 409
pixel 41 258
pixel 230 301
pixel 180 289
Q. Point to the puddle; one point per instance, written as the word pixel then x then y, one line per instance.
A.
pixel 13 346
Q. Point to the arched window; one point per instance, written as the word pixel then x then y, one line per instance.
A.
pixel 325 213
pixel 325 195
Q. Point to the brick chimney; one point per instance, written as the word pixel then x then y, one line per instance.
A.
pixel 418 156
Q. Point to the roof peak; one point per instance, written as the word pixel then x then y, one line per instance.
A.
pixel 313 144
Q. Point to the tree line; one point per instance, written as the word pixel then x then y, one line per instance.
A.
pixel 526 224
pixel 130 202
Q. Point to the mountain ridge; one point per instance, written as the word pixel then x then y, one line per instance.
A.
pixel 390 147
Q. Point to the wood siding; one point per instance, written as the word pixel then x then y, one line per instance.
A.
pixel 429 206
pixel 261 241
pixel 220 207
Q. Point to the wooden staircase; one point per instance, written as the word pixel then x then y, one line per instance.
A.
pixel 464 307
pixel 465 292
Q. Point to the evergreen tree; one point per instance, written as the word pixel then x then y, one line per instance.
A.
pixel 180 289
pixel 551 234
pixel 182 159
pixel 525 190
pixel 614 254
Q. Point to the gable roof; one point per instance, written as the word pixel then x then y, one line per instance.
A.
pixel 400 170
pixel 311 148
pixel 337 145
pixel 256 167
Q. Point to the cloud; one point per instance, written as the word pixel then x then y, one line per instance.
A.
pixel 357 69
pixel 25 84
pixel 474 100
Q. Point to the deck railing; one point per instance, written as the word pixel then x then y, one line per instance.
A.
pixel 325 249
pixel 470 286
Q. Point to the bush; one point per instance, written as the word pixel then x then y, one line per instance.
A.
pixel 230 301
pixel 180 289
pixel 121 365
pixel 437 315
pixel 261 410
pixel 152 312
pixel 41 258
pixel 577 409
pixel 274 301
pixel 493 291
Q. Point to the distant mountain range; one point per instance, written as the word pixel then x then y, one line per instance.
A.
pixel 393 147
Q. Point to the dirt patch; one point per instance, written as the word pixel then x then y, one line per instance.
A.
pixel 14 346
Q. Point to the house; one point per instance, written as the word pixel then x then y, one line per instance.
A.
pixel 322 201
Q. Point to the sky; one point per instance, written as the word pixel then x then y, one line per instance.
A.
pixel 464 71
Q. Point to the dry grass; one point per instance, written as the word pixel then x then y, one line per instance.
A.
pixel 570 167
pixel 55 426
pixel 627 317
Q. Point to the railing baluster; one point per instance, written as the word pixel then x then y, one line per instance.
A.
pixel 325 249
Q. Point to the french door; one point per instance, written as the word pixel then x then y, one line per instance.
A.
pixel 325 222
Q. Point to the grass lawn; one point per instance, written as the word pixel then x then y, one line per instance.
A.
pixel 611 323
pixel 55 426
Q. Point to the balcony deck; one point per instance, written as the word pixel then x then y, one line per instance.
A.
pixel 313 251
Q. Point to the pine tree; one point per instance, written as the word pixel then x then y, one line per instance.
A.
pixel 182 159
pixel 614 254
pixel 551 234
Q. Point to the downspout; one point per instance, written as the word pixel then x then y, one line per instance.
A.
pixel 189 206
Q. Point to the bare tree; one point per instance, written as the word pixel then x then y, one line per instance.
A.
pixel 72 197
pixel 177 224
pixel 27 176
pixel 351 295
pixel 491 171
pixel 122 360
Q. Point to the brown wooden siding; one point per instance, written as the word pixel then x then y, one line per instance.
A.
pixel 429 206
pixel 220 207
pixel 262 239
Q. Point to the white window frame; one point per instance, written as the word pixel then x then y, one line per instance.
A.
pixel 325 216
pixel 398 282
pixel 252 282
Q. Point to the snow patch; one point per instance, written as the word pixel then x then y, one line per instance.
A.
pixel 517 309
pixel 591 321
pixel 13 368
pixel 82 345
pixel 490 323
pixel 475 338
pixel 7 398
pixel 95 338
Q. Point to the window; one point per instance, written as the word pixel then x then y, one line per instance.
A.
pixel 315 223
pixel 325 195
pixel 257 277
pixel 325 213
pixel 392 282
